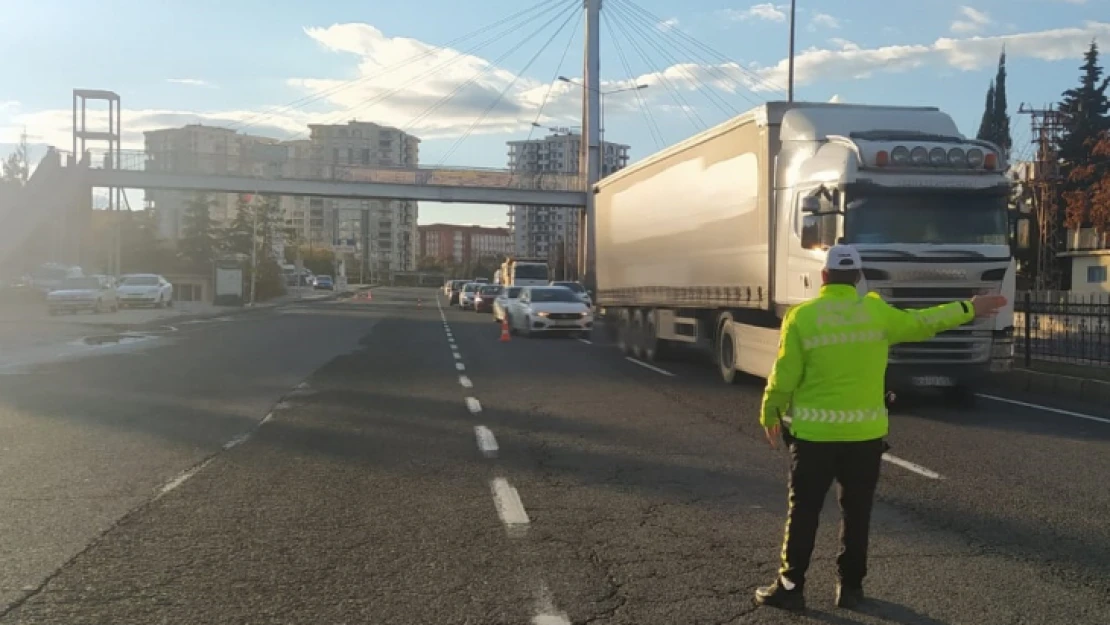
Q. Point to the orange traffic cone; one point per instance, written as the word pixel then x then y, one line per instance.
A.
pixel 504 330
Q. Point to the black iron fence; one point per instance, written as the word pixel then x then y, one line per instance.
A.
pixel 1060 326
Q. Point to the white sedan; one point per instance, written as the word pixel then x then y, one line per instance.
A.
pixel 145 289
pixel 507 298
pixel 550 309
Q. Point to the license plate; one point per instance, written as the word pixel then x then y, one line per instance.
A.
pixel 932 380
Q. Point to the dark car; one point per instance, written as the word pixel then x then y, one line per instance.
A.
pixel 483 302
pixel 456 289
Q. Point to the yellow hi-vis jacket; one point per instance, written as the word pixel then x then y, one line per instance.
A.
pixel 830 375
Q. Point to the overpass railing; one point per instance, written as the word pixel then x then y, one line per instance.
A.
pixel 277 164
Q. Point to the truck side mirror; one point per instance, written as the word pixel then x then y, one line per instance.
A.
pixel 811 233
pixel 811 205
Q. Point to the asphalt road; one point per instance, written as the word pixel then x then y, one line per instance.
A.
pixel 437 475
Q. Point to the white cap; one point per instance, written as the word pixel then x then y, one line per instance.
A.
pixel 843 257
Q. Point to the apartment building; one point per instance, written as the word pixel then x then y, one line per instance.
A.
pixel 464 244
pixel 543 231
pixel 203 150
pixel 388 233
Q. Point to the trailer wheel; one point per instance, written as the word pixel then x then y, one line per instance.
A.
pixel 726 350
pixel 623 331
pixel 655 348
pixel 637 335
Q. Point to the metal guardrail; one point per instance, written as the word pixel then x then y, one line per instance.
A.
pixel 1064 327
pixel 278 164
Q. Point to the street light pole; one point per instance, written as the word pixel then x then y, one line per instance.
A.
pixel 790 62
pixel 254 248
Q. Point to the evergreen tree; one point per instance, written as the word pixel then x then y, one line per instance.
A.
pixel 1086 113
pixel 1000 117
pixel 198 237
pixel 986 125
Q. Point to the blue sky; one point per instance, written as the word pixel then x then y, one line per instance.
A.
pixel 175 62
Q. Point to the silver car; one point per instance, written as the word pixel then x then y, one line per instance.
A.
pixel 93 293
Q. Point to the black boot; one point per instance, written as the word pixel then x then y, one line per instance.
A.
pixel 777 596
pixel 848 597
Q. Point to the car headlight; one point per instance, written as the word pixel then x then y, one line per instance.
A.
pixel 543 314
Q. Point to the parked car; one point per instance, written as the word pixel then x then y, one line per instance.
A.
pixel 324 283
pixel 144 289
pixel 93 293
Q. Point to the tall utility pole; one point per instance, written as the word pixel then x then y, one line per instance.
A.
pixel 1043 185
pixel 591 144
pixel 790 61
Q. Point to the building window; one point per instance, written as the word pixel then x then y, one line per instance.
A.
pixel 1096 274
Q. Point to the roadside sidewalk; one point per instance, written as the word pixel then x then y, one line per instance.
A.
pixel 1059 384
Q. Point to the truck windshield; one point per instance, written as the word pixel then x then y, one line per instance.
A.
pixel 530 272
pixel 949 218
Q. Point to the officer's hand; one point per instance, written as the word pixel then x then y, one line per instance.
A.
pixel 772 434
pixel 987 305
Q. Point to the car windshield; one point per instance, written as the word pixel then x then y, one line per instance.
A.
pixel 470 288
pixel 574 286
pixel 533 271
pixel 489 291
pixel 513 292
pixel 80 283
pixel 553 295
pixel 141 281
pixel 933 218
pixel 458 284
pixel 324 278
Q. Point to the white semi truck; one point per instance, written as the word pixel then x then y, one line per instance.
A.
pixel 711 241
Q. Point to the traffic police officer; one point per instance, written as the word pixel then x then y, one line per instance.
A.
pixel 828 385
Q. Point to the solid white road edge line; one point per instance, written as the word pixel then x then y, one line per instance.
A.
pixel 587 342
pixel 487 443
pixel 473 405
pixel 647 366
pixel 1067 413
pixel 916 468
pixel 182 478
pixel 465 382
pixel 509 506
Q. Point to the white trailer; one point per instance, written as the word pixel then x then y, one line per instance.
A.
pixel 711 241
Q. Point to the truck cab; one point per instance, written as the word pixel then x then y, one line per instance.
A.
pixel 927 210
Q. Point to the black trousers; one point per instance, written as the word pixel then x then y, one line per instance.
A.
pixel 813 467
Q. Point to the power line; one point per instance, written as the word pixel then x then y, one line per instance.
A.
pixel 324 93
pixel 551 85
pixel 723 106
pixel 706 48
pixel 641 101
pixel 683 105
pixel 501 96
pixel 672 36
pixel 568 5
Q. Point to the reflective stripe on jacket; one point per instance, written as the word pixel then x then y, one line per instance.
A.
pixel 830 375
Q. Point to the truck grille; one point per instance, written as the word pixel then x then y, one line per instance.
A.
pixel 969 343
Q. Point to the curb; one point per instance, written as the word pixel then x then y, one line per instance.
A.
pixel 1051 383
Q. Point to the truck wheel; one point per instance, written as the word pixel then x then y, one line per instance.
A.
pixel 655 348
pixel 624 332
pixel 726 351
pixel 638 334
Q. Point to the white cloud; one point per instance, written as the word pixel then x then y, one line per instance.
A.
pixel 835 99
pixel 392 94
pixel 823 20
pixel 668 24
pixel 192 82
pixel 766 11
pixel 973 21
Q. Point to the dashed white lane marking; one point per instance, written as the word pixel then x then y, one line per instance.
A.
pixel 486 441
pixel 652 367
pixel 182 478
pixel 457 355
pixel 465 382
pixel 509 506
pixel 1067 413
pixel 238 440
pixel 460 366
pixel 473 405
pixel 916 468
pixel 546 612
pixel 586 341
